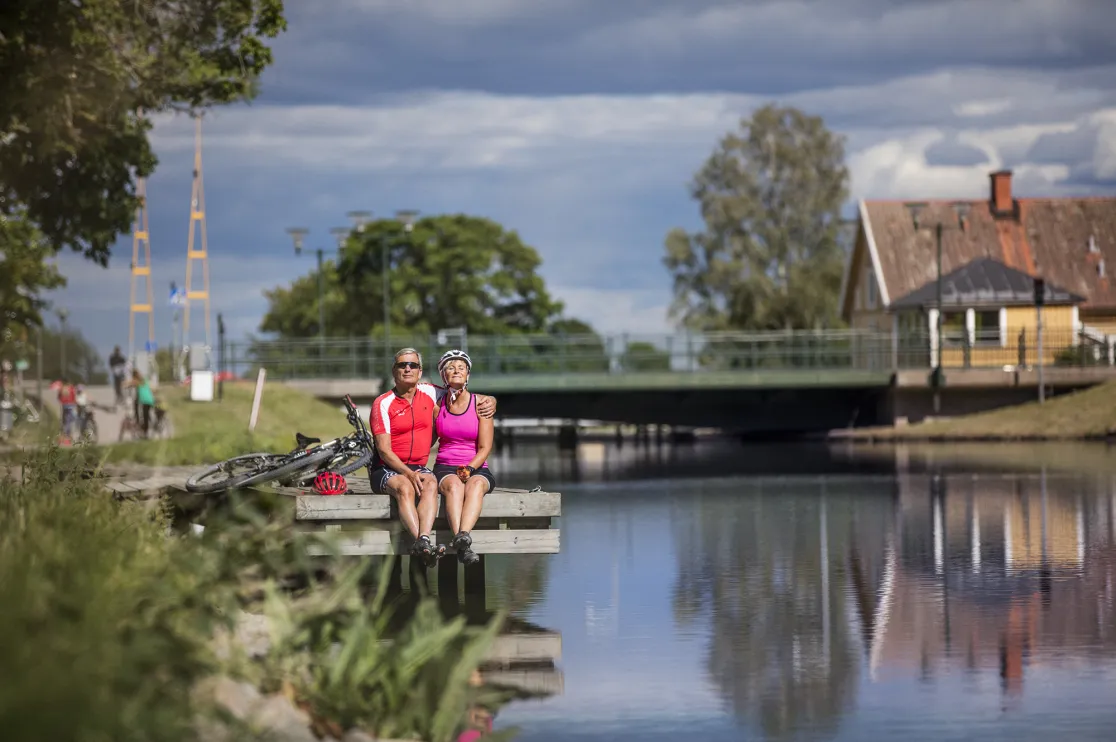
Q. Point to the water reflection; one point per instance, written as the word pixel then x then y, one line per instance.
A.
pixel 805 585
pixel 840 600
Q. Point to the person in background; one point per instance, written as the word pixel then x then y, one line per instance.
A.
pixel 117 367
pixel 145 400
pixel 67 400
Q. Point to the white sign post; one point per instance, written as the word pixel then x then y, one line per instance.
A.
pixel 256 400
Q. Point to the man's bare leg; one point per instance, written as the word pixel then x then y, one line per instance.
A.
pixel 428 504
pixel 400 487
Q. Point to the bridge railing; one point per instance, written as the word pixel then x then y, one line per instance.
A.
pixel 792 350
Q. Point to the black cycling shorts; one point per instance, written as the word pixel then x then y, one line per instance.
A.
pixel 380 475
pixel 441 471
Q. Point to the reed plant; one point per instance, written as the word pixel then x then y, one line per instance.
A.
pixel 110 615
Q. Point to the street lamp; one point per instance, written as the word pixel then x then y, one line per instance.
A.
pixel 961 210
pixel 407 218
pixel 298 236
pixel 63 314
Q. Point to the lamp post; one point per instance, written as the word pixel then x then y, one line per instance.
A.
pixel 1040 300
pixel 407 218
pixel 298 235
pixel 961 210
pixel 63 314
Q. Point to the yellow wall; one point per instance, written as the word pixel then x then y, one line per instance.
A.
pixel 1058 335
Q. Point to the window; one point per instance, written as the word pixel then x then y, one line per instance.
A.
pixel 953 328
pixel 986 327
pixel 872 289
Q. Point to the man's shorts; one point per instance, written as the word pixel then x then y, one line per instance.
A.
pixel 379 477
pixel 441 471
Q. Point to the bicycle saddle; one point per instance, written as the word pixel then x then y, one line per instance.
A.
pixel 304 440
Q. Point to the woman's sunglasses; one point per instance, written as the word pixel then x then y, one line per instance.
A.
pixel 407 364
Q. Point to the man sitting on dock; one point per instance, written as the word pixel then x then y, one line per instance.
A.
pixel 403 425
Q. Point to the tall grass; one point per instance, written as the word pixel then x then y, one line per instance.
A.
pixel 109 616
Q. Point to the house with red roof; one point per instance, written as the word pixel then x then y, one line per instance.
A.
pixel 991 251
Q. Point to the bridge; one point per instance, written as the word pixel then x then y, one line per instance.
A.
pixel 787 381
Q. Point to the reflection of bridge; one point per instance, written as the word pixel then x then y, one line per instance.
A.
pixel 789 381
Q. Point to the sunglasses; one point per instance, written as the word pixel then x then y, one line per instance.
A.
pixel 407 364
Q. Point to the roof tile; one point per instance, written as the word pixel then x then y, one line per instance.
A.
pixel 1049 237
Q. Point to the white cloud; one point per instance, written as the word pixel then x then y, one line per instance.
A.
pixel 592 181
pixel 616 311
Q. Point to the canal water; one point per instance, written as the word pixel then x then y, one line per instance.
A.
pixel 815 593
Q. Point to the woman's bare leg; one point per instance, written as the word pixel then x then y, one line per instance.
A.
pixel 454 491
pixel 475 489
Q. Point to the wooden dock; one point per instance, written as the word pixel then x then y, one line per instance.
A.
pixel 513 521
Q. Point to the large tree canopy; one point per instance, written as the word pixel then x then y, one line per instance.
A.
pixel 449 271
pixel 77 84
pixel 769 258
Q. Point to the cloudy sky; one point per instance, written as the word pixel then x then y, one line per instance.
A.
pixel 578 123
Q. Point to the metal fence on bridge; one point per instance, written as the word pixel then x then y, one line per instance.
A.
pixel 832 350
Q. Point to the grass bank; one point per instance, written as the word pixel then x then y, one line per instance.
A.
pixel 1085 415
pixel 111 616
pixel 206 432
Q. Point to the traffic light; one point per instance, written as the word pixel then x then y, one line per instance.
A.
pixel 1040 291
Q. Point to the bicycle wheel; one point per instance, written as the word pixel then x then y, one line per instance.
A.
pixel 343 463
pixel 290 465
pixel 253 462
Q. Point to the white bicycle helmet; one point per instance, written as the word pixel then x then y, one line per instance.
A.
pixel 454 355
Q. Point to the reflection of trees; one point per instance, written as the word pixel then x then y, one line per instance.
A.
pixel 780 649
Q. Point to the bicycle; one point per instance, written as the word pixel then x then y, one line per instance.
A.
pixel 86 425
pixel 343 455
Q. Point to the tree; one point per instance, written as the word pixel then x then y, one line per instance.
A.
pixel 24 273
pixel 83 363
pixel 643 356
pixel 79 83
pixel 450 271
pixel 768 258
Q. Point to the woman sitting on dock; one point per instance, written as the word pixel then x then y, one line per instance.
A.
pixel 465 442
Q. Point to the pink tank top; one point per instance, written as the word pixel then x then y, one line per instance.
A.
pixel 457 434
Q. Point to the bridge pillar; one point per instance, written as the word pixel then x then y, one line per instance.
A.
pixel 567 437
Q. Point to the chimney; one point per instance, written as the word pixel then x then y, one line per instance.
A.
pixel 1001 201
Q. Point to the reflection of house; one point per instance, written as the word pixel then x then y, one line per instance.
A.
pixel 965 584
pixel 890 279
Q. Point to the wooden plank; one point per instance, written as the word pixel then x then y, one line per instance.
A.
pixel 542 682
pixel 499 503
pixel 121 489
pixel 343 507
pixel 379 542
pixel 525 647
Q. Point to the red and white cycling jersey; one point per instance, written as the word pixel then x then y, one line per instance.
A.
pixel 410 424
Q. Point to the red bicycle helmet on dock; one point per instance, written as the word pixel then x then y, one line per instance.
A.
pixel 330 483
